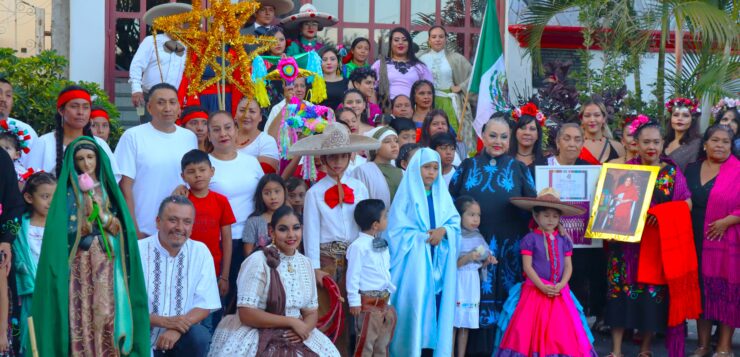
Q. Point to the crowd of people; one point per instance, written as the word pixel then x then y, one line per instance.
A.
pixel 355 221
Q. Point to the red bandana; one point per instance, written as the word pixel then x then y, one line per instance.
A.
pixel 99 113
pixel 73 94
pixel 331 197
pixel 191 116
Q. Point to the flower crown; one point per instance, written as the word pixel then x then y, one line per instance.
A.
pixel 692 105
pixel 531 110
pixel 639 121
pixel 301 118
pixel 11 126
pixel 725 104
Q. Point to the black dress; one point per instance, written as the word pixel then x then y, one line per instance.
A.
pixel 492 182
pixel 699 199
pixel 335 93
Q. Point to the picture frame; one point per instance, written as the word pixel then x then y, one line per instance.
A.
pixel 575 183
pixel 620 205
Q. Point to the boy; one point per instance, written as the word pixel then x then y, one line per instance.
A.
pixel 444 144
pixel 213 216
pixel 363 79
pixel 369 281
pixel 380 176
pixel 406 130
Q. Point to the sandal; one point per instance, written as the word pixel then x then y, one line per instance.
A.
pixel 701 351
pixel 645 354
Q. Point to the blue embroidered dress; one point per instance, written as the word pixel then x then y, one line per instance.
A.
pixel 492 182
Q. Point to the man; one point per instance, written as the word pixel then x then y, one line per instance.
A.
pixel 150 157
pixel 6 106
pixel 163 64
pixel 180 280
pixel 265 16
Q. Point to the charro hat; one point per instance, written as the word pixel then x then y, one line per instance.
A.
pixel 550 198
pixel 336 139
pixel 308 12
pixel 165 10
pixel 282 7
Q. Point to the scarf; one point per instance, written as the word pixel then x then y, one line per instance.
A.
pixel 393 176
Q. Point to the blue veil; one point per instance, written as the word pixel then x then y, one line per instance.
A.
pixel 419 274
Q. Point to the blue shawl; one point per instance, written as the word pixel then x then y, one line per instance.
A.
pixel 419 277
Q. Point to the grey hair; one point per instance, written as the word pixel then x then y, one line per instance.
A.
pixel 175 200
pixel 566 126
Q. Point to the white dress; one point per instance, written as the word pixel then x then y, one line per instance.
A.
pixel 232 338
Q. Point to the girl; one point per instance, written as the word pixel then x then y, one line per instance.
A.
pixel 27 247
pixel 14 140
pixel 355 100
pixel 100 123
pixel 270 196
pixel 336 85
pixel 425 230
pixel 546 321
pixel 405 153
pixel 436 122
pixel 296 194
pixel 379 176
pixel 357 58
pixel 474 254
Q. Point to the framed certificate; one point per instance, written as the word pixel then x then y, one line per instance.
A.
pixel 574 183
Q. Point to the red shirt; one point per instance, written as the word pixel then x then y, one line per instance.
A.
pixel 211 213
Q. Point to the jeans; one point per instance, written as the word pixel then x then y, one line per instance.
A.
pixel 194 343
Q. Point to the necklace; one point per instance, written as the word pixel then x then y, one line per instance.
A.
pixel 595 141
pixel 525 155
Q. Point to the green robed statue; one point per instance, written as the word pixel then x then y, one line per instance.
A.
pixel 90 298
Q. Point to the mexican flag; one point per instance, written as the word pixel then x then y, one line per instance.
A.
pixel 489 70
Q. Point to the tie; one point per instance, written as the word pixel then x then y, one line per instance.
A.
pixel 331 197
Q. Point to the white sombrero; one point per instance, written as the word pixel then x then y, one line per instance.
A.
pixel 336 139
pixel 282 7
pixel 550 198
pixel 165 10
pixel 308 12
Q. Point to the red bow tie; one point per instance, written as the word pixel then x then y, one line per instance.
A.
pixel 331 197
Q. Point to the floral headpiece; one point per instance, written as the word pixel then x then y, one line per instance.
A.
pixel 638 122
pixel 531 110
pixel 690 104
pixel 11 126
pixel 725 104
pixel 301 118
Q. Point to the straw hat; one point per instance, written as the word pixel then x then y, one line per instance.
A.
pixel 550 198
pixel 336 139
pixel 308 12
pixel 282 7
pixel 167 9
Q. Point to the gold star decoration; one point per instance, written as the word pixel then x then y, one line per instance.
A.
pixel 221 39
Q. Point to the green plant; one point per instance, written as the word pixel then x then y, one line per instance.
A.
pixel 37 82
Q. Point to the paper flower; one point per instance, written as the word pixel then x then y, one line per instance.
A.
pixel 86 182
pixel 639 121
pixel 691 105
pixel 531 110
pixel 725 104
pixel 288 69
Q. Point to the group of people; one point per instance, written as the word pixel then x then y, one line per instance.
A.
pixel 359 225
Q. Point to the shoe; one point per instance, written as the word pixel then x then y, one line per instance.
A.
pixel 723 354
pixel 701 351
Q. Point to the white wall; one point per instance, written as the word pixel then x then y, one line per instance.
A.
pixel 87 41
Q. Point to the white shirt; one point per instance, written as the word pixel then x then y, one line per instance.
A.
pixel 237 179
pixel 354 163
pixel 176 285
pixel 35 238
pixel 371 176
pixel 440 68
pixel 322 224
pixel 44 155
pixel 367 269
pixel 448 176
pixel 152 159
pixel 144 72
pixel 25 158
pixel 263 145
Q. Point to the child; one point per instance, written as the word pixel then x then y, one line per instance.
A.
pixel 100 123
pixel 405 153
pixel 406 130
pixel 363 79
pixel 474 254
pixel 546 321
pixel 425 230
pixel 269 196
pixel 213 214
pixel 445 144
pixel 296 194
pixel 379 176
pixel 37 193
pixel 14 141
pixel 369 283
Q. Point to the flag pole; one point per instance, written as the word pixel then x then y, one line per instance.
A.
pixel 462 116
pixel 32 335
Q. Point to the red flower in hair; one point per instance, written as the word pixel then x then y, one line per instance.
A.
pixel 531 110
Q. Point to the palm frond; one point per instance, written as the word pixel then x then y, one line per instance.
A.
pixel 705 75
pixel 707 22
pixel 536 17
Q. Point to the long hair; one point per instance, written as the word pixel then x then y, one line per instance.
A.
pixel 523 121
pixel 691 134
pixel 410 54
pixel 259 204
pixel 426 139
pixel 415 87
pixel 364 117
pixel 605 128
pixel 59 130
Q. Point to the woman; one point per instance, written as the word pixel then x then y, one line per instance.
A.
pixel 526 144
pixel 89 272
pixel 625 197
pixel 628 142
pixel 683 136
pixel 277 301
pixel 236 177
pixel 195 119
pixel 401 107
pixel 357 57
pixel 569 143
pixel 422 100
pixel 451 72
pixel 599 146
pixel 631 304
pixel 492 178
pixel 250 140
pixel 72 121
pixel 716 217
pixel 336 85
pixel 436 122
pixel 307 22
pixel 400 69
pixel 731 117
pixel 11 218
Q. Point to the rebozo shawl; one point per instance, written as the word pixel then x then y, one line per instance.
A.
pixel 51 318
pixel 419 276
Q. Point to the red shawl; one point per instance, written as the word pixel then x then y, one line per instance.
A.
pixel 588 157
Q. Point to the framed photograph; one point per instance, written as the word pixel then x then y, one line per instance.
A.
pixel 574 183
pixel 621 202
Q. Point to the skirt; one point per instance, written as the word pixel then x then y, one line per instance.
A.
pixel 467 299
pixel 444 102
pixel 545 326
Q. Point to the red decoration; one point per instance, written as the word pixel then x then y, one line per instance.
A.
pixel 331 197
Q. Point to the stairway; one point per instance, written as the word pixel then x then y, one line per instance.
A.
pixel 123 103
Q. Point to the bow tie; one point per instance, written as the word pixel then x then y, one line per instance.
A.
pixel 331 197
pixel 174 46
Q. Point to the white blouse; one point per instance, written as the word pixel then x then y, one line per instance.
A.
pixel 440 68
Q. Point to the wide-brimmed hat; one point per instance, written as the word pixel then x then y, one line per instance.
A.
pixel 550 198
pixel 336 139
pixel 282 7
pixel 167 9
pixel 308 12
